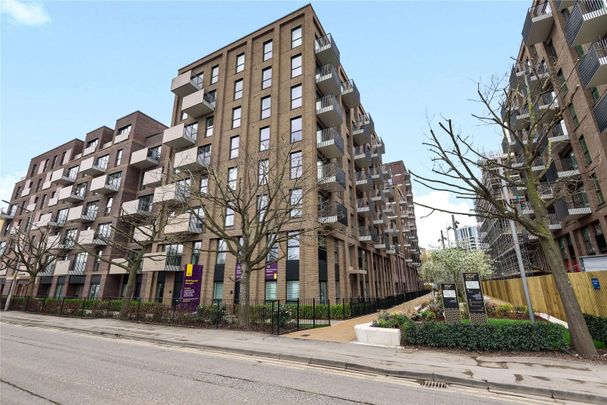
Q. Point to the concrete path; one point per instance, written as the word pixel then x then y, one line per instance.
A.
pixel 344 331
pixel 548 376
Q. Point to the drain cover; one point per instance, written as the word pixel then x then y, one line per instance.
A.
pixel 434 384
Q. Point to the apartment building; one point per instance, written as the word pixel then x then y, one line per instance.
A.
pixel 466 237
pixel 565 41
pixel 285 82
pixel 75 192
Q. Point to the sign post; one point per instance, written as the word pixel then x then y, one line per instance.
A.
pixel 192 283
pixel 450 303
pixel 474 296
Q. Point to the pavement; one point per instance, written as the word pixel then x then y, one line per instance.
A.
pixel 543 376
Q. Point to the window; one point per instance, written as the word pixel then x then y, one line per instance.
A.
pixel 296 202
pixel 238 85
pixel 296 96
pixel 580 50
pixel 59 287
pixel 551 50
pixel 191 131
pixel 118 157
pixel 217 290
pixel 72 172
pixel 204 184
pixel 214 74
pixel 597 188
pixel 229 219
pixel 292 290
pixel 296 66
pixel 266 107
pixel 94 290
pixel 296 165
pixel 263 170
pixel 91 209
pixel 574 118
pixel 585 151
pixel 108 206
pixel 102 161
pixel 272 255
pixel 266 77
pixel 63 156
pixel 124 130
pixel 262 207
pixel 296 129
pixel 296 37
pixel 267 50
pixel 221 252
pixel 264 138
pixel 209 127
pixel 114 179
pixel 54 162
pixel 93 144
pixel 196 249
pixel 600 237
pixel 234 145
pixel 594 92
pixel 173 256
pixel 33 171
pixel 587 241
pixel 271 290
pixel 70 237
pixel 240 62
pixel 104 231
pixel 232 178
pixel 562 82
pixel 293 246
pixel 198 80
pixel 236 117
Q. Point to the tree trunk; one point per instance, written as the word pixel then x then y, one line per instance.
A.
pixel 244 296
pixel 129 290
pixel 30 287
pixel 11 291
pixel 580 336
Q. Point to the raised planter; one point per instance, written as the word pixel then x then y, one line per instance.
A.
pixel 369 335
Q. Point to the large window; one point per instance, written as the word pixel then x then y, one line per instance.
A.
pixel 240 58
pixel 104 231
pixel 229 218
pixel 102 161
pixel 296 202
pixel 266 77
pixel 79 263
pixel 267 50
pixel 238 86
pixel 271 290
pixel 214 74
pixel 222 250
pixel 296 66
pixel 114 179
pixel 293 246
pixel 263 170
pixel 292 290
pixel 218 290
pixel 264 138
pixel 232 178
pixel 296 129
pixel 296 34
pixel 266 107
pixel 236 112
pixel 234 146
pixel 296 96
pixel 296 165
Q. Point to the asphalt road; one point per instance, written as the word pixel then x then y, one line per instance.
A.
pixel 40 366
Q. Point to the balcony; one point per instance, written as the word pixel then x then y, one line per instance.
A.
pixel 137 208
pixel 554 223
pixel 186 84
pixel 59 221
pixel 362 207
pixel 593 65
pixel 79 214
pixel 331 177
pixel 377 197
pixel 587 22
pixel 363 181
pixel 44 220
pixel 350 95
pixel 143 233
pixel 8 212
pixel 172 193
pixel 326 50
pixel 330 143
pixel 329 111
pixel 70 194
pixel 546 191
pixel 161 261
pixel 62 267
pixel 180 136
pixel 559 137
pixel 569 168
pixel 53 200
pixel 376 158
pixel 362 130
pixel 63 177
pixel 91 166
pixel 90 238
pixel 152 178
pixel 367 235
pixel 573 206
pixel 192 160
pixel 377 176
pixel 198 104
pixel 145 158
pixel 563 4
pixel 600 114
pixel 327 79
pixel 362 157
pixel 186 223
pixel 90 149
pixel 537 24
pixel 380 219
pixel 381 243
pixel 105 185
pixel 332 213
pixel 526 76
pixel 542 113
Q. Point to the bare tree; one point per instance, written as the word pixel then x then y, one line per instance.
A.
pixel 258 203
pixel 528 111
pixel 29 249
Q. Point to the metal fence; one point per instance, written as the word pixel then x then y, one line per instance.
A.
pixel 275 317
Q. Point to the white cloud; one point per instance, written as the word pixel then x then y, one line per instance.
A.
pixel 25 12
pixel 7 183
pixel 428 229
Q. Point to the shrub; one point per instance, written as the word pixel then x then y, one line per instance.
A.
pixel 387 320
pixel 510 336
pixel 597 327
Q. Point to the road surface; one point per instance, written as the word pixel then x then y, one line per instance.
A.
pixel 41 366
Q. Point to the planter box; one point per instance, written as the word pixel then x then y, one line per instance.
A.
pixel 366 334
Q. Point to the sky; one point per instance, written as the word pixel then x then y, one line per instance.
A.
pixel 69 67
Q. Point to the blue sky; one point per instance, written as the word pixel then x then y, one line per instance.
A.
pixel 70 67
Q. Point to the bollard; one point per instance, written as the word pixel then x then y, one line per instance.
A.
pixel 329 310
pixel 82 309
pixel 61 307
pixel 297 313
pixel 313 312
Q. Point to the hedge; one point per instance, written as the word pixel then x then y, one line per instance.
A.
pixel 523 336
pixel 597 327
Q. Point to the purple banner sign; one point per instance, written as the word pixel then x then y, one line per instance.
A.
pixel 272 271
pixel 238 272
pixel 192 283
